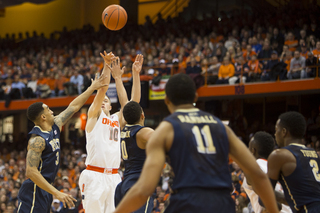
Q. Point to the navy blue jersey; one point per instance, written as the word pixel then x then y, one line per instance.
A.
pixel 133 157
pixel 199 151
pixel 302 187
pixel 31 197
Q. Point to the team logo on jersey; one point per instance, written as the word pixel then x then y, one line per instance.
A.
pixel 55 132
pixel 110 122
pixel 55 144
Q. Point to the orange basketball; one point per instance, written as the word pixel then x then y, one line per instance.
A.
pixel 114 17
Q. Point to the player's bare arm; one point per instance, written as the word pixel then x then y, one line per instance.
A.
pixel 136 86
pixel 160 142
pixel 143 136
pixel 78 102
pixel 95 108
pixel 259 180
pixel 117 72
pixel 35 147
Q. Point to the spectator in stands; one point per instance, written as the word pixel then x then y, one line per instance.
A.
pixel 274 69
pixel 194 71
pixel 248 53
pixel 76 83
pixel 297 66
pixel 13 90
pixel 277 37
pixel 230 42
pixel 226 71
pixel 291 42
pixel 303 35
pixel 311 63
pixel 193 67
pixel 163 69
pixel 213 70
pixel 59 84
pixel 256 46
pixel 254 68
pixel 33 84
pixel 43 87
pixel 316 52
pixel 266 50
pixel 51 83
pixel 304 50
pixel 241 70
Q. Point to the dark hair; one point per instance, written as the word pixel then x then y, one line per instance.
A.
pixel 132 112
pixel 34 111
pixel 294 122
pixel 265 143
pixel 180 89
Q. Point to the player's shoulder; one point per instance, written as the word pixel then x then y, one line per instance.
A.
pixel 280 156
pixel 36 142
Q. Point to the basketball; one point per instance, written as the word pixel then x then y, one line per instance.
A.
pixel 114 17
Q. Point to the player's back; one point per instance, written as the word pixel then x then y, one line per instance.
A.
pixel 133 156
pixel 103 148
pixel 199 158
pixel 302 187
pixel 199 152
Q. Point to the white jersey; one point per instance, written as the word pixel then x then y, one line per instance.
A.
pixel 254 198
pixel 103 142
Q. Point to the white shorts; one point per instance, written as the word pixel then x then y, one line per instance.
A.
pixel 97 190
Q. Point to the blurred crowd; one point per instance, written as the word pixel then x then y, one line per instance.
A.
pixel 238 46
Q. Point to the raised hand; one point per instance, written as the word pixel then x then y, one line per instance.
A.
pixel 99 82
pixel 116 71
pixel 107 57
pixel 66 199
pixel 137 65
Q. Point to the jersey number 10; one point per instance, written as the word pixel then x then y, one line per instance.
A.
pixel 205 132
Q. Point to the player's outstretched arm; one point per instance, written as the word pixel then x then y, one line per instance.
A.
pixel 35 147
pixel 259 180
pixel 78 102
pixel 136 86
pixel 117 72
pixel 150 175
pixel 95 107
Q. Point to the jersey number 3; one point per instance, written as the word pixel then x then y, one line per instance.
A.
pixel 205 132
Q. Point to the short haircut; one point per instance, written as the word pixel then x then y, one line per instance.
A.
pixel 265 143
pixel 132 112
pixel 34 110
pixel 294 122
pixel 180 89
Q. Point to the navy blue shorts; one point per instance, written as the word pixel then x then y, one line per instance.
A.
pixel 201 200
pixel 122 189
pixel 311 208
pixel 33 199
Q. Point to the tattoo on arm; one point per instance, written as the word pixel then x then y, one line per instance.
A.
pixel 64 116
pixel 35 148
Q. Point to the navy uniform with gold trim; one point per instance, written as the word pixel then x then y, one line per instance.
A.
pixel 133 158
pixel 33 199
pixel 199 157
pixel 302 187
